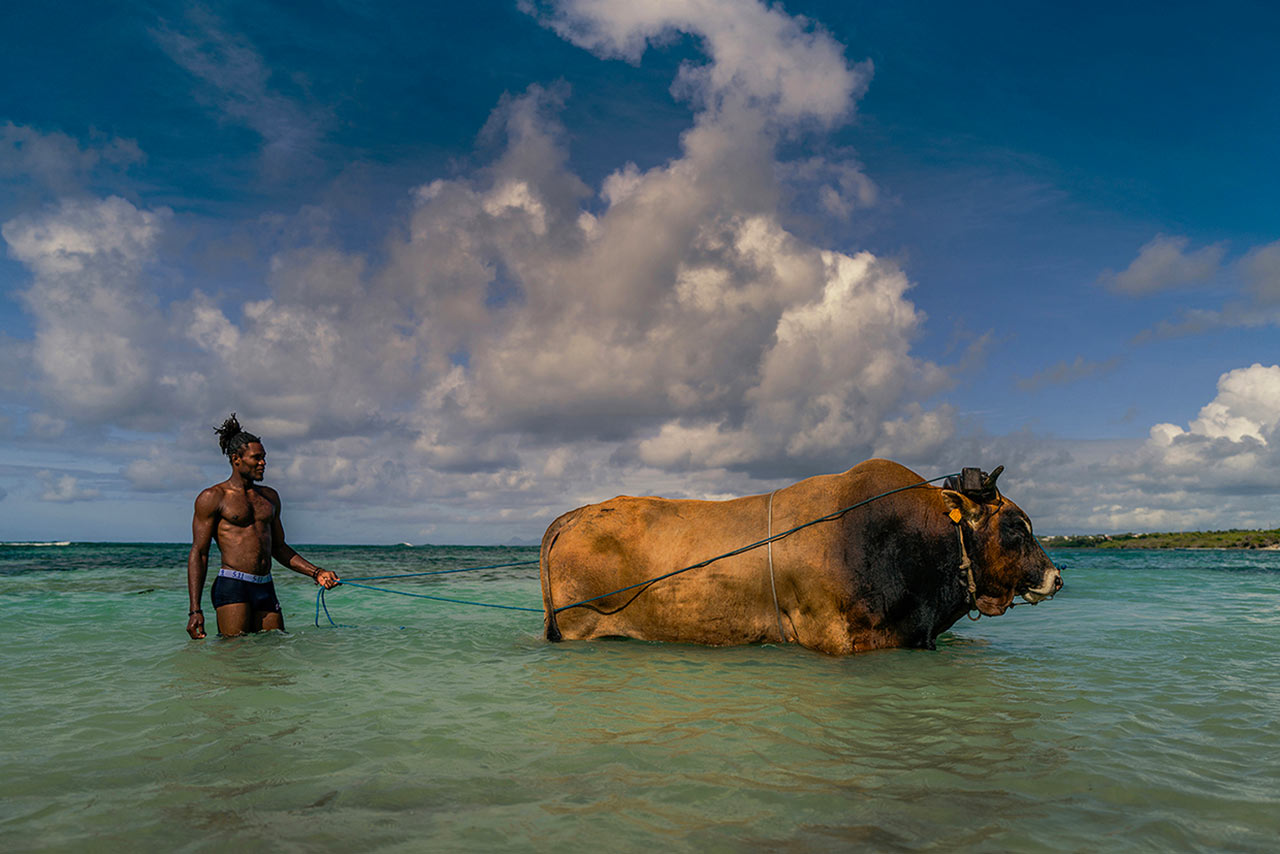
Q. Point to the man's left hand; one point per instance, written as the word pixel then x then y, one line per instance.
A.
pixel 327 577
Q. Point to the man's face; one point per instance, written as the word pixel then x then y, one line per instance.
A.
pixel 251 462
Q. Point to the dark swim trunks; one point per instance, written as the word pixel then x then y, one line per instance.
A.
pixel 230 588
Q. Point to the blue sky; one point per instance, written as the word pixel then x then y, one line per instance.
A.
pixel 466 267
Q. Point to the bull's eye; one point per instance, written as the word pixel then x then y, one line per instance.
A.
pixel 1014 530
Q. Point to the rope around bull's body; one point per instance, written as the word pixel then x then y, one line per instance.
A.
pixel 640 587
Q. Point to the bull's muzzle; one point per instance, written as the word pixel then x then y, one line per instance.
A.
pixel 1050 584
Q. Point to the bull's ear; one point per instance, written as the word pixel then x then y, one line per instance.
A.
pixel 970 511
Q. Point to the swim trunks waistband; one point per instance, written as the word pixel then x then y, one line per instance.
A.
pixel 244 576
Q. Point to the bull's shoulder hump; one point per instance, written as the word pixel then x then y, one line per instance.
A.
pixel 887 469
pixel 826 492
pixel 876 470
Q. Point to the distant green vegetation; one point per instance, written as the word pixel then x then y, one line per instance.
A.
pixel 1233 539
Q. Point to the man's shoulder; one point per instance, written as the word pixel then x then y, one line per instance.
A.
pixel 269 493
pixel 211 496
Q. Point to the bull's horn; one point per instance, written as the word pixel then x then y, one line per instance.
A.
pixel 990 482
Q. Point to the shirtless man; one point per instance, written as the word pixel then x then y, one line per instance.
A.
pixel 244 517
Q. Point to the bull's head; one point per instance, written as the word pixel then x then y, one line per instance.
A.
pixel 1008 560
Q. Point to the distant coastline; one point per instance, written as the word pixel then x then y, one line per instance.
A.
pixel 1232 539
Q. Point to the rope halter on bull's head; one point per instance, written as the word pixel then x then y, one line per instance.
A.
pixel 979 486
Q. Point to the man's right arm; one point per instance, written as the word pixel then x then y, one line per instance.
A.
pixel 202 525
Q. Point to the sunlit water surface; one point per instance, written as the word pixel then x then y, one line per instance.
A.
pixel 1136 711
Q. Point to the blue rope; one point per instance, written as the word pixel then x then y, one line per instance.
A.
pixel 642 584
pixel 320 600
pixel 442 571
pixel 444 599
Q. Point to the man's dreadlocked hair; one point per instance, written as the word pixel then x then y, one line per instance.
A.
pixel 232 437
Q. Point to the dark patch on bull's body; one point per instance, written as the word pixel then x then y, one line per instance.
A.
pixel 913 576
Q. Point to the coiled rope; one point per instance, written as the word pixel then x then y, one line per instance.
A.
pixel 640 587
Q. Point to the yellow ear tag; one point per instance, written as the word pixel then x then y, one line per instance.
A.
pixel 956 515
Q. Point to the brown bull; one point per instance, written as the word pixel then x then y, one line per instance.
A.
pixel 895 572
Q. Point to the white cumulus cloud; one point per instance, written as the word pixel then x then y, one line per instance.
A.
pixel 1233 445
pixel 95 319
pixel 759 55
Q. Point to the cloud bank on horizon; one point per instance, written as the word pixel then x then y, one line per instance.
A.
pixel 518 341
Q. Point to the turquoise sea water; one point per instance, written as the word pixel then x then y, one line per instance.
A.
pixel 1135 712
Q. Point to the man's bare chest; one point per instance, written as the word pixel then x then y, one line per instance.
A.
pixel 245 510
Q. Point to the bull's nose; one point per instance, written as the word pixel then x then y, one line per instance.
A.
pixel 1057 583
